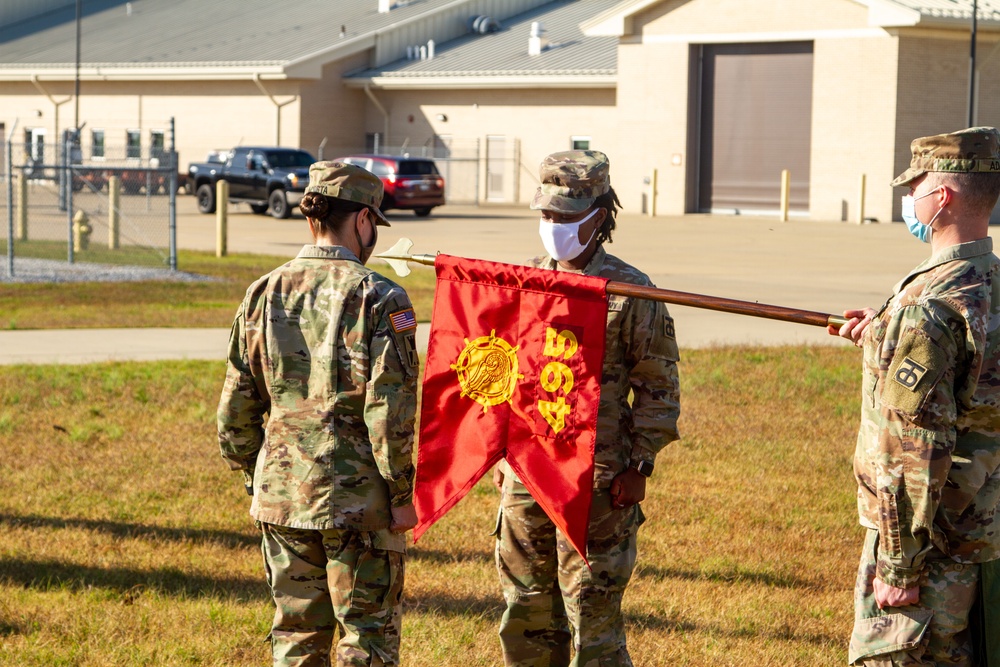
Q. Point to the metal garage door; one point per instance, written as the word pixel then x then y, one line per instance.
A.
pixel 756 120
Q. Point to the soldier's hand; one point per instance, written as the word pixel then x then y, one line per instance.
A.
pixel 498 478
pixel 627 489
pixel 854 329
pixel 890 596
pixel 403 518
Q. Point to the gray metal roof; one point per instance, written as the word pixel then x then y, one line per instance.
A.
pixel 505 52
pixel 956 9
pixel 194 32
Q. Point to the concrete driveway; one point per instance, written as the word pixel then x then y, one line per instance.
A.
pixel 821 266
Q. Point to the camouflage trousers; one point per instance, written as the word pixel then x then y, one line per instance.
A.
pixel 327 582
pixel 935 631
pixel 553 599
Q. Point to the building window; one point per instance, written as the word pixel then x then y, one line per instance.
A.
pixel 156 143
pixel 97 143
pixel 133 144
pixel 579 143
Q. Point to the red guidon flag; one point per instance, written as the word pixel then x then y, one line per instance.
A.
pixel 513 370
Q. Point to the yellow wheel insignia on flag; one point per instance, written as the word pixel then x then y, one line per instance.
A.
pixel 487 370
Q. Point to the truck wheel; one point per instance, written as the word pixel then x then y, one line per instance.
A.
pixel 279 205
pixel 206 198
pixel 259 209
pixel 423 212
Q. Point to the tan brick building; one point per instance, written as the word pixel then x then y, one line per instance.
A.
pixel 713 97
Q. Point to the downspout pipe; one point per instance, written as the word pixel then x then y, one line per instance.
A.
pixel 260 85
pixel 385 114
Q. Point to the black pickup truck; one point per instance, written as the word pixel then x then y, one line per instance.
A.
pixel 267 178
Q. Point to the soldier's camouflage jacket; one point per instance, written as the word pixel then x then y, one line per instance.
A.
pixel 928 448
pixel 640 355
pixel 325 348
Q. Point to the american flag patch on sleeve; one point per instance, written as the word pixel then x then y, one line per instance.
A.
pixel 403 320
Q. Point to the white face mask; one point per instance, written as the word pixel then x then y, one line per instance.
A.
pixel 562 239
pixel 917 228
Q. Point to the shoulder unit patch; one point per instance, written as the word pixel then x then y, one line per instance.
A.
pixel 917 366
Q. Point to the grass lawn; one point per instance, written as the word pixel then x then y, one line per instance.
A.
pixel 127 540
pixel 160 304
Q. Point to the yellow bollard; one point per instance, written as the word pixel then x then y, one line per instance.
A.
pixel 22 207
pixel 114 211
pixel 221 210
pixel 786 181
pixel 861 201
pixel 81 231
pixel 652 194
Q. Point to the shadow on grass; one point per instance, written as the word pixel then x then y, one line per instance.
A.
pixel 487 607
pixel 439 557
pixel 224 538
pixel 734 576
pixel 491 608
pixel 54 575
pixel 675 625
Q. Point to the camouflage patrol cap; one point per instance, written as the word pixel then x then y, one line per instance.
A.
pixel 976 149
pixel 571 181
pixel 349 182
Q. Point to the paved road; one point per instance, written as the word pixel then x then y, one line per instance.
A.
pixel 822 266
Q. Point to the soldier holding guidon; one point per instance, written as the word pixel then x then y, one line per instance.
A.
pixel 927 460
pixel 556 605
pixel 325 348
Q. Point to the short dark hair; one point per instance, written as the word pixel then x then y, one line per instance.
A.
pixel 328 212
pixel 980 190
pixel 609 202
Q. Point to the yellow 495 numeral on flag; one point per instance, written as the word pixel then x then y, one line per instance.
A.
pixel 557 376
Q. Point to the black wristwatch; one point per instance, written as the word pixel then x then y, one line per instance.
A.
pixel 644 468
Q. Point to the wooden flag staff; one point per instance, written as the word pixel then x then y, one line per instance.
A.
pixel 399 255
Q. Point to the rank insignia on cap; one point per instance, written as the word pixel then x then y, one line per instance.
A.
pixel 403 320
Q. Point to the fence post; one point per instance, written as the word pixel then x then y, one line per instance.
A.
pixel 221 218
pixel 9 172
pixel 786 179
pixel 22 206
pixel 172 202
pixel 67 202
pixel 114 211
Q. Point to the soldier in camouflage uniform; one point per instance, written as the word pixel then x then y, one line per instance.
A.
pixel 318 412
pixel 559 612
pixel 927 461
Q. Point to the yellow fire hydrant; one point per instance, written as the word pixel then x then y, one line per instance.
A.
pixel 81 231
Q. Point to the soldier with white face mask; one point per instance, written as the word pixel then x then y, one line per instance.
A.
pixel 559 612
pixel 927 460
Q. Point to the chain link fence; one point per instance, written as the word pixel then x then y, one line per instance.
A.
pixel 474 171
pixel 93 203
pixel 458 162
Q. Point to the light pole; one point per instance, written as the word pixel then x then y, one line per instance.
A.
pixel 972 67
pixel 76 84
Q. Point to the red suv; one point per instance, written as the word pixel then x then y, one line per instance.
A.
pixel 410 182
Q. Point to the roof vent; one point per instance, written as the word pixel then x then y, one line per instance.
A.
pixel 420 51
pixel 385 6
pixel 483 24
pixel 537 41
